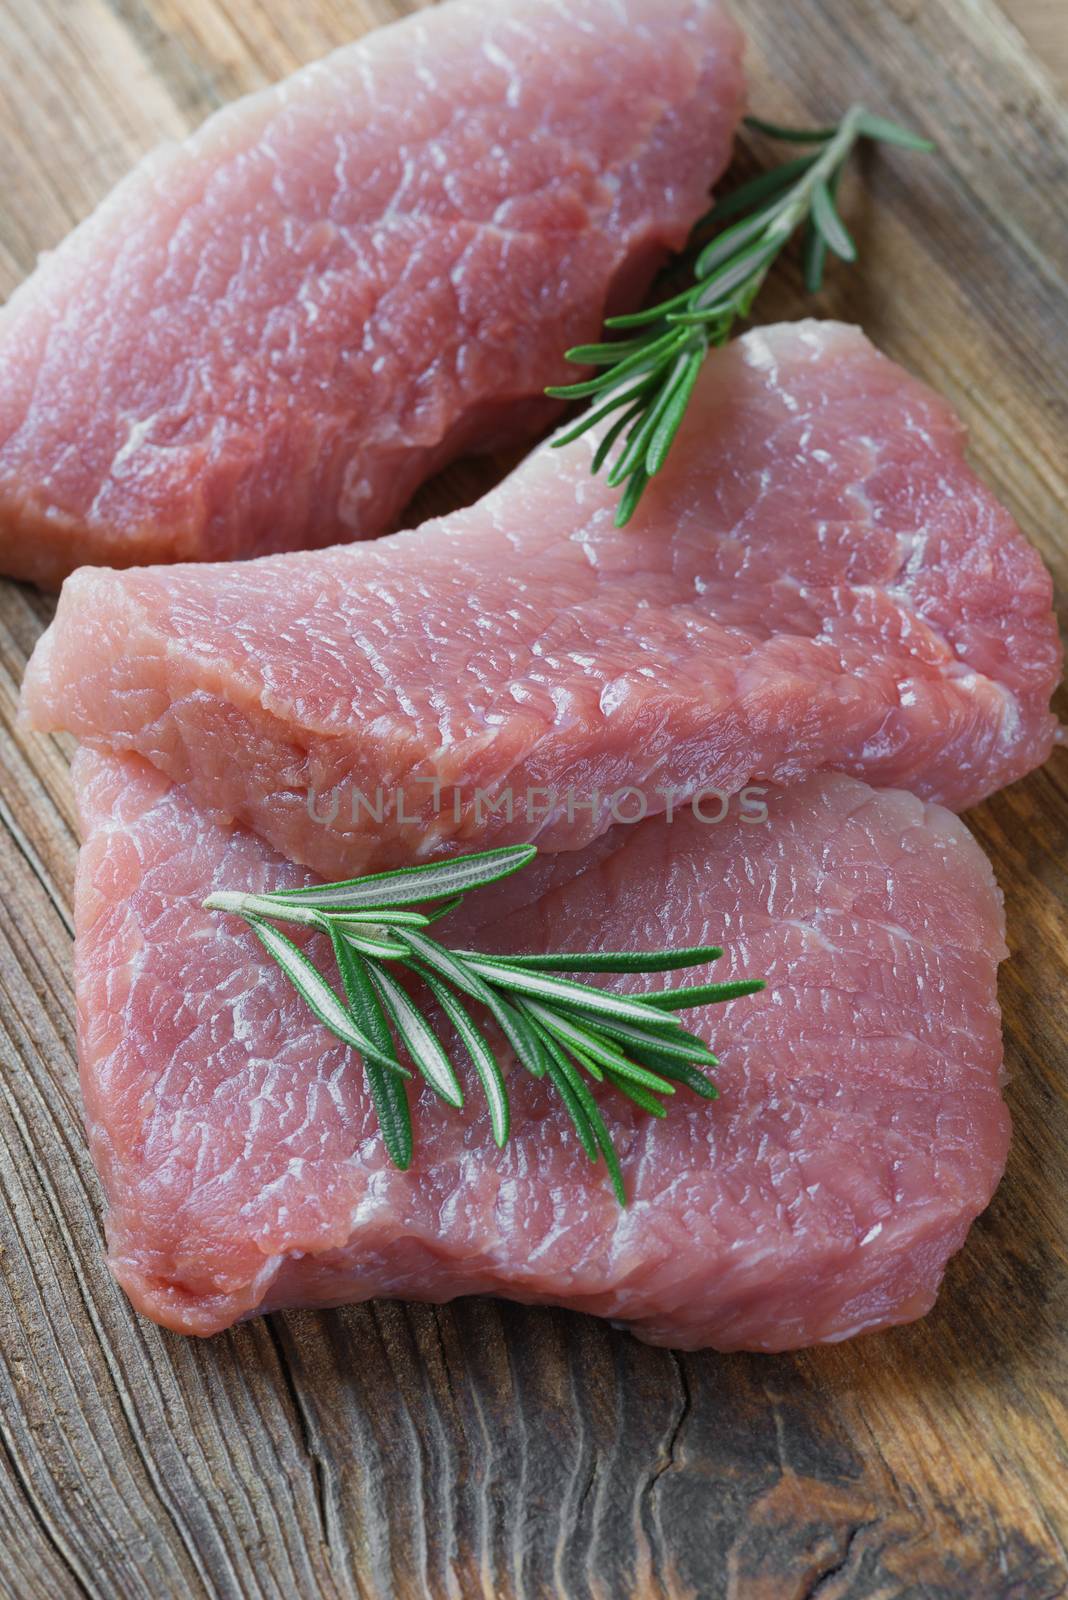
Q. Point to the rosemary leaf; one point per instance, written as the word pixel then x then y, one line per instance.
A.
pixel 703 994
pixel 628 505
pixel 382 916
pixel 435 913
pixel 639 1096
pixel 368 945
pixel 791 135
pixel 571 1034
pixel 642 439
pixel 683 1072
pixel 521 1035
pixel 668 342
pixel 259 906
pixel 622 397
pixel 410 885
pixel 826 219
pixel 668 424
pixel 630 363
pixel 632 456
pixel 387 1092
pixel 363 1000
pixel 765 186
pixel 588 1064
pixel 314 990
pixel 608 1150
pixel 813 257
pixel 676 1047
pixel 418 1038
pixel 568 1085
pixel 463 975
pixel 456 968
pixel 566 1074
pixel 584 997
pixel 604 449
pixel 725 245
pixel 480 1050
pixel 694 955
pixel 603 355
pixel 639 319
pixel 737 271
pixel 887 132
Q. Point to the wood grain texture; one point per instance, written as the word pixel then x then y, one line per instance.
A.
pixel 1044 24
pixel 483 1449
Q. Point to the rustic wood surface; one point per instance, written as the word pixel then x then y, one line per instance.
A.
pixel 484 1449
pixel 1044 24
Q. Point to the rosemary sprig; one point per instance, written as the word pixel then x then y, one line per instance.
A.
pixel 648 378
pixel 566 1031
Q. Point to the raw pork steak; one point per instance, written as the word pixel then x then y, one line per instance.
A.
pixel 817 581
pixel 860 1127
pixel 270 334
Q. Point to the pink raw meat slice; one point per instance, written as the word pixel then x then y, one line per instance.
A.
pixel 860 1128
pixel 270 334
pixel 818 580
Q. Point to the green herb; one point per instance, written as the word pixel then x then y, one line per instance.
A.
pixel 648 378
pixel 566 1031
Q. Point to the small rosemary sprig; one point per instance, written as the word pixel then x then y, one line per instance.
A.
pixel 565 1031
pixel 650 377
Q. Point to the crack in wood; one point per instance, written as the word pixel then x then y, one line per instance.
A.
pixel 821 1583
pixel 305 1432
pixel 48 1532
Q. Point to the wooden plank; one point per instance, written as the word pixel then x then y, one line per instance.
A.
pixel 1044 25
pixel 484 1449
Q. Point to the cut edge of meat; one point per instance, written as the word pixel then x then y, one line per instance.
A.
pixel 886 1295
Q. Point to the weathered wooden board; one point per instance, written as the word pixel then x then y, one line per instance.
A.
pixel 483 1449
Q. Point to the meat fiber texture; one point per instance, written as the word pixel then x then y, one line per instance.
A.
pixel 270 334
pixel 818 580
pixel 860 1126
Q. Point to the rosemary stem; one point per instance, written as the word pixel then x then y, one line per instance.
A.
pixel 830 158
pixel 260 905
pixel 727 275
pixel 570 1031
